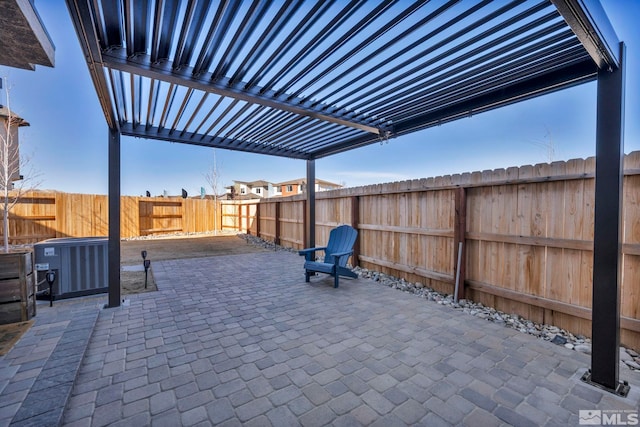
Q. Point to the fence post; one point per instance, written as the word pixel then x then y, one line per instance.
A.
pixel 355 220
pixel 257 220
pixel 305 226
pixel 183 217
pixel 59 218
pixel 217 218
pixel 459 230
pixel 276 238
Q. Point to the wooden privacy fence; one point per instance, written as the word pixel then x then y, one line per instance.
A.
pixel 527 232
pixel 238 215
pixel 527 236
pixel 43 215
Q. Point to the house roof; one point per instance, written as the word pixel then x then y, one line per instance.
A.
pixel 304 181
pixel 329 183
pixel 17 120
pixel 307 79
pixel 24 39
pixel 258 183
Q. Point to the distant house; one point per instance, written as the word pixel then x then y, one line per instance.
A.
pixel 298 186
pixel 10 122
pixel 250 190
pixel 244 190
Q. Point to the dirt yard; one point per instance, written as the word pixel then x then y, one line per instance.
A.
pixel 173 247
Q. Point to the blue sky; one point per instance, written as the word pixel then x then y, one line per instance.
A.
pixel 67 139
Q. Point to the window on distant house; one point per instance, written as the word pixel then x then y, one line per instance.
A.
pixel 289 188
pixel 243 190
pixel 258 190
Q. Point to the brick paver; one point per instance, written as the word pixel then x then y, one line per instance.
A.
pixel 243 340
pixel 37 375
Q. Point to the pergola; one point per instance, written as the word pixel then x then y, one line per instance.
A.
pixel 308 79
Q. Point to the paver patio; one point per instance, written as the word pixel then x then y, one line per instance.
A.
pixel 242 340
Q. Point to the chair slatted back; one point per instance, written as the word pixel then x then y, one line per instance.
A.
pixel 341 239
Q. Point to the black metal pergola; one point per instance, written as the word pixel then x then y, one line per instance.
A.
pixel 308 79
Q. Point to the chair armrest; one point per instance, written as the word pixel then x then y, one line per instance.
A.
pixel 338 255
pixel 309 252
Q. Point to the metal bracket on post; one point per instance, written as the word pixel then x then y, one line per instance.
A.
pixel 621 390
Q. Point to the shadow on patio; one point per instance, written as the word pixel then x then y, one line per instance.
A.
pixel 242 340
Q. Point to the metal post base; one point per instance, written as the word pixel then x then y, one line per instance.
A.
pixel 621 390
pixel 125 303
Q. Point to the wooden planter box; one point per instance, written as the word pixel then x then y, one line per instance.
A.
pixel 17 287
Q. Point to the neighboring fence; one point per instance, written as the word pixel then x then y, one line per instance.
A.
pixel 527 233
pixel 43 215
pixel 237 215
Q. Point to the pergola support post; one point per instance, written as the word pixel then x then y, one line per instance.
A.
pixel 114 219
pixel 310 207
pixel 607 239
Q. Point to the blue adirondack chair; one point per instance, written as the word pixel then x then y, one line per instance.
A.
pixel 338 250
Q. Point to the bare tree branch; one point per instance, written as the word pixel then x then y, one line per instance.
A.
pixel 17 175
pixel 213 177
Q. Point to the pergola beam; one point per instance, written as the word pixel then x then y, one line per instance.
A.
pixel 561 78
pixel 83 22
pixel 164 134
pixel 142 65
pixel 591 25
